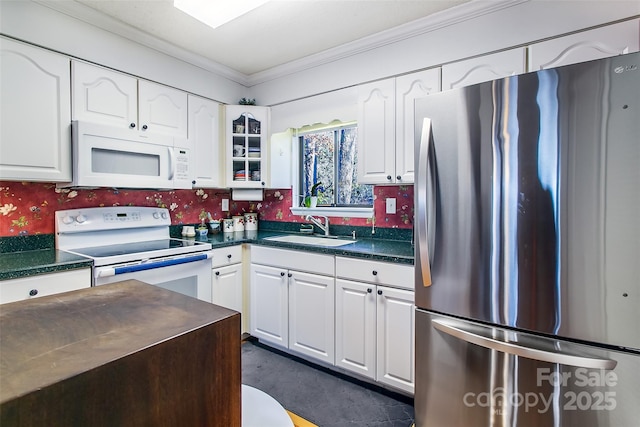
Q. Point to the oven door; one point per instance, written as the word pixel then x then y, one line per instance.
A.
pixel 186 274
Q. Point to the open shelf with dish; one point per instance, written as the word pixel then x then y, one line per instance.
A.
pixel 246 145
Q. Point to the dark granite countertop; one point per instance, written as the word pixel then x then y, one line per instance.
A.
pixel 32 262
pixel 366 248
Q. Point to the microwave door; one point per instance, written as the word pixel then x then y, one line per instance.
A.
pixel 113 158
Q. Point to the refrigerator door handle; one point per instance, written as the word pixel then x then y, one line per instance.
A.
pixel 458 331
pixel 425 225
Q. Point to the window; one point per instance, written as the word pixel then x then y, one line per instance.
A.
pixel 329 158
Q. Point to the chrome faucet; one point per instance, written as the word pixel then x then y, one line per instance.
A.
pixel 317 223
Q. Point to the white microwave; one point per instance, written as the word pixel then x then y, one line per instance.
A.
pixel 106 156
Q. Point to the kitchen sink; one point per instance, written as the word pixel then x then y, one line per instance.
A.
pixel 311 240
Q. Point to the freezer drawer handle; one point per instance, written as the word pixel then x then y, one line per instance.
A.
pixel 519 350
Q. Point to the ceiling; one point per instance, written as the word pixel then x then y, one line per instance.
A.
pixel 274 34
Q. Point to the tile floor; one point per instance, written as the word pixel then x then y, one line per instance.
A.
pixel 320 396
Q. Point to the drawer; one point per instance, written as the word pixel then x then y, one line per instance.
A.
pixel 293 260
pixel 226 256
pixel 377 272
pixel 44 285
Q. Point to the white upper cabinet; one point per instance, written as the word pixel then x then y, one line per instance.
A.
pixel 104 96
pixel 35 105
pixel 483 68
pixel 162 109
pixel 385 126
pixel 204 134
pixel 112 98
pixel 246 133
pixel 376 132
pixel 409 88
pixel 599 43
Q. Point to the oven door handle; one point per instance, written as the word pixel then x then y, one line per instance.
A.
pixel 113 271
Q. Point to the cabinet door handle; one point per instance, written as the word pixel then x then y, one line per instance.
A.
pixel 282 273
pixel 132 125
pixel 369 290
pixel 217 273
pixel 144 127
pixel 229 256
pixel 33 292
pixel 388 177
pixel 375 273
pixel 379 292
pixel 399 178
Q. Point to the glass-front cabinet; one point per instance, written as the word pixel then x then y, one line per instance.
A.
pixel 246 146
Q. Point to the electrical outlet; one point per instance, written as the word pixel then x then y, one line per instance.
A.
pixel 391 205
pixel 225 205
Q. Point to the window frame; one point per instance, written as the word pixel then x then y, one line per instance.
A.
pixel 297 197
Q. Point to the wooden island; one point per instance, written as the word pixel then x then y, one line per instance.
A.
pixel 125 354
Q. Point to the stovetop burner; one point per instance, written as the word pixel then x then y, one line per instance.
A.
pixel 121 234
pixel 135 248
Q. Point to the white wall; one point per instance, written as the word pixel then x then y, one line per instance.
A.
pixel 37 24
pixel 444 40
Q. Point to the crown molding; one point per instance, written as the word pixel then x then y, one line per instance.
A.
pixel 442 19
pixel 93 17
pixel 445 18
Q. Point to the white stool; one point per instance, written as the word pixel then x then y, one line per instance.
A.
pixel 261 410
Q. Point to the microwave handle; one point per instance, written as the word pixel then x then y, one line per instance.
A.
pixel 172 162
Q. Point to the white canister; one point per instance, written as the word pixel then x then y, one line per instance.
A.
pixel 238 223
pixel 251 221
pixel 227 225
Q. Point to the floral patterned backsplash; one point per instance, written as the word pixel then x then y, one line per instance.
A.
pixel 27 208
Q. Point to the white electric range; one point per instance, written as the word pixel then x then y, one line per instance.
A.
pixel 132 242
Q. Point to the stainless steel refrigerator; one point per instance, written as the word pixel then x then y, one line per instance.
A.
pixel 528 250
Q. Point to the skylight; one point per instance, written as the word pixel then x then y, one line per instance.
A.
pixel 215 13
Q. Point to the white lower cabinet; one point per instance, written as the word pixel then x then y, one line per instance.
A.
pixel 270 304
pixel 227 286
pixel 292 306
pixel 395 365
pixel 357 314
pixel 311 315
pixel 227 279
pixel 356 327
pixel 375 326
pixel 44 284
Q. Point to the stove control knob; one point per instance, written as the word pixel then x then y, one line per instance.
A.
pixel 164 215
pixel 156 215
pixel 81 218
pixel 67 220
